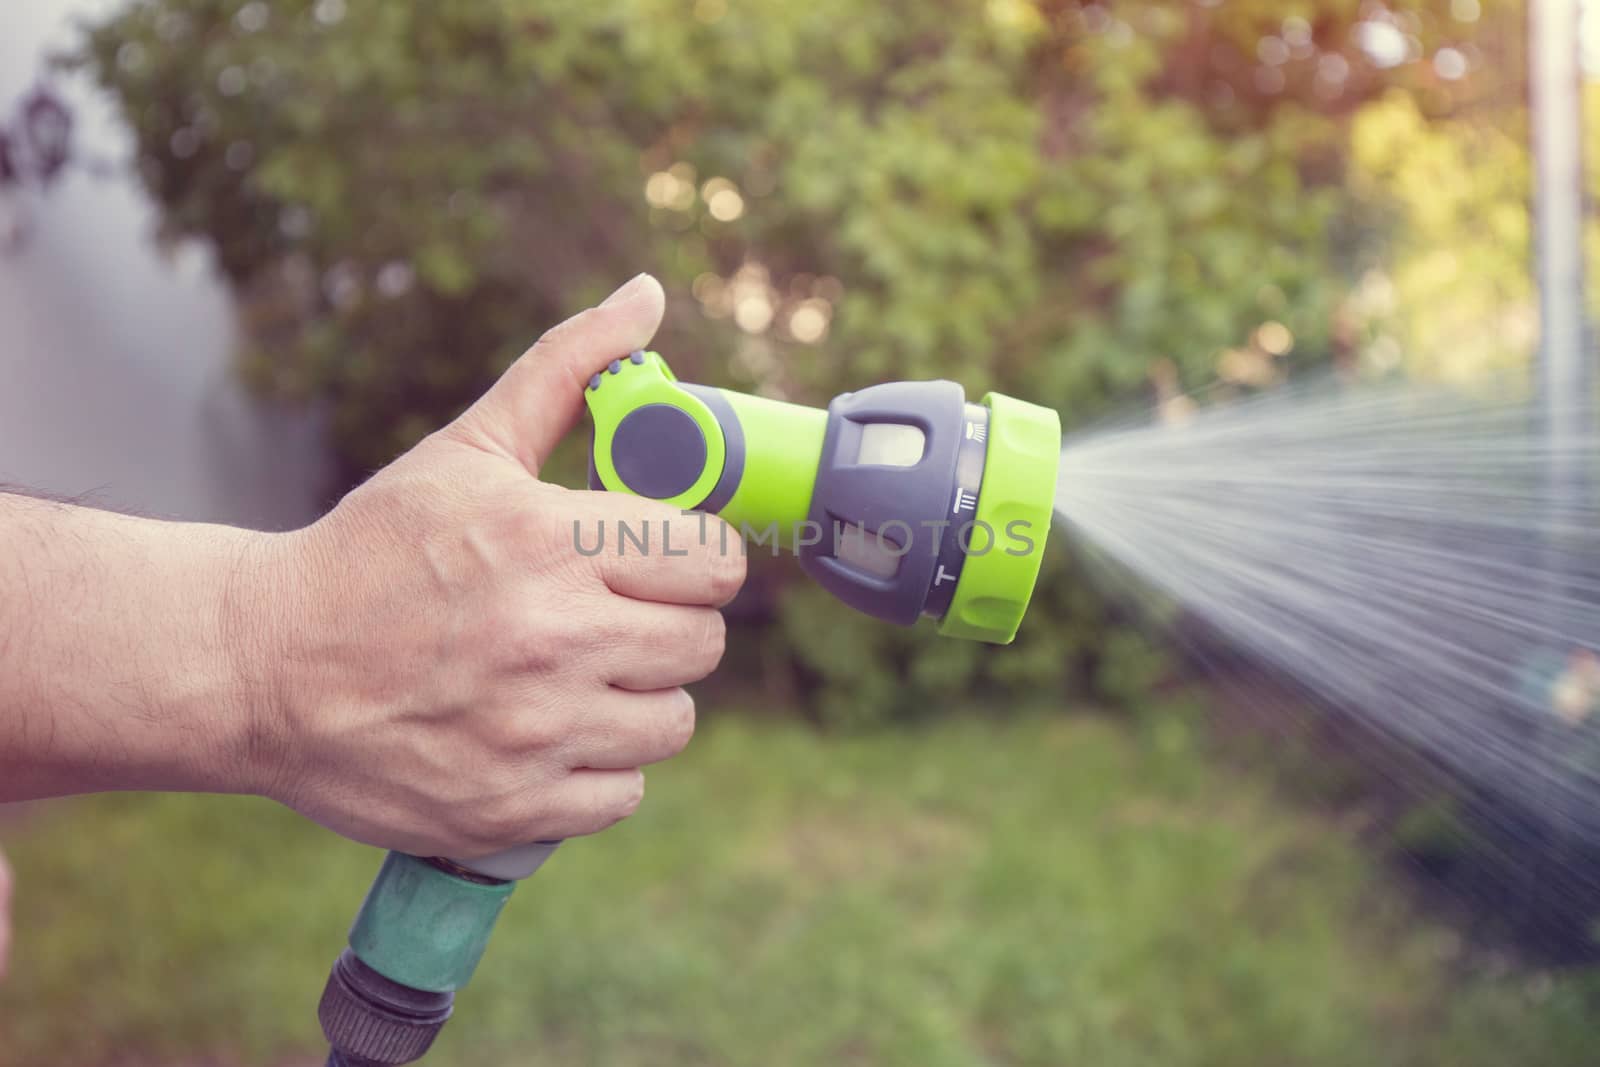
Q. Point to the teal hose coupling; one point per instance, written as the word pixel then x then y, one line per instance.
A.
pixel 419 935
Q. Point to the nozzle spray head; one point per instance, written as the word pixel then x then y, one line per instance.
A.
pixel 901 499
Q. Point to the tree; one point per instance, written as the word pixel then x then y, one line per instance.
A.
pixel 1063 201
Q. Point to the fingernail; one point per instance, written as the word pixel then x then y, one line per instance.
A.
pixel 628 290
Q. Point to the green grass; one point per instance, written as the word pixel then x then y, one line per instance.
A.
pixel 1049 892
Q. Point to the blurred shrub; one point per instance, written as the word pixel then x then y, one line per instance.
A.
pixel 1067 202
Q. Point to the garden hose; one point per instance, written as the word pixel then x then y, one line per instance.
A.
pixel 901 499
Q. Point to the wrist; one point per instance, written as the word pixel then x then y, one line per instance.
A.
pixel 134 654
pixel 253 620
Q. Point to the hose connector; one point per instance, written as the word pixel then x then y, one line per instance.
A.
pixel 370 1021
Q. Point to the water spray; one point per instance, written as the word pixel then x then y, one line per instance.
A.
pixel 1399 552
pixel 904 500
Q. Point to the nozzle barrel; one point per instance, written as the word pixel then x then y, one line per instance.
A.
pixel 775 447
pixel 901 499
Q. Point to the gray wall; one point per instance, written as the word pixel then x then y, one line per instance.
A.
pixel 114 354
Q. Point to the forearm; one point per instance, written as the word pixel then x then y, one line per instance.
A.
pixel 122 653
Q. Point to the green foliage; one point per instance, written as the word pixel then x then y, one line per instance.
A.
pixel 1458 291
pixel 1067 202
pixel 1456 298
pixel 1046 892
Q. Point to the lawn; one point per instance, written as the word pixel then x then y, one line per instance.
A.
pixel 1052 891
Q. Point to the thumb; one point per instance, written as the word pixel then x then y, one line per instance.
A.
pixel 538 398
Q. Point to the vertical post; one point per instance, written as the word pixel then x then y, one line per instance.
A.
pixel 1564 384
pixel 1564 378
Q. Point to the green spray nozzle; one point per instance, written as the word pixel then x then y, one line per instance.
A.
pixel 902 499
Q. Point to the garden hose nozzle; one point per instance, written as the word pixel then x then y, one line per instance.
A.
pixel 902 499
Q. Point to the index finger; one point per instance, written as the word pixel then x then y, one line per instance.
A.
pixel 652 551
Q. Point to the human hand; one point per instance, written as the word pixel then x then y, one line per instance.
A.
pixel 438 670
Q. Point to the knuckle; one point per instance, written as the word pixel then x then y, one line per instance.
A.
pixel 552 534
pixel 528 524
pixel 616 805
pixel 533 641
pixel 631 797
pixel 606 807
pixel 525 735
pixel 680 722
pixel 628 567
pixel 725 571
pixel 711 640
pixel 479 829
pixel 552 526
pixel 595 623
pixel 502 822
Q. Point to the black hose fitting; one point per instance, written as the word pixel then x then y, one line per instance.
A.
pixel 371 1021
